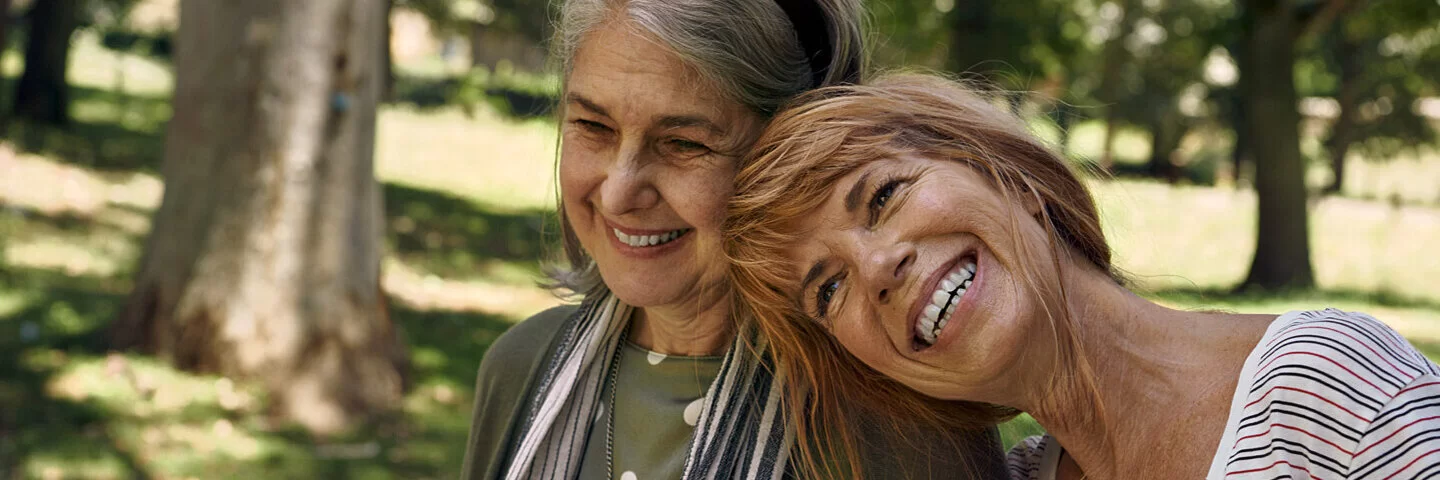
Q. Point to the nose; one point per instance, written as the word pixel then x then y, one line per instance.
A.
pixel 628 185
pixel 885 266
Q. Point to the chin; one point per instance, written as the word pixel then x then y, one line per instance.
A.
pixel 650 289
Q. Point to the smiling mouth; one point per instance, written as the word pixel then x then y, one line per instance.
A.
pixel 640 241
pixel 936 314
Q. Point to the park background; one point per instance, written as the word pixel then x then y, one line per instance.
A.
pixel 1188 107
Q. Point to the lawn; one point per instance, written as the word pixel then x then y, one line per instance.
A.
pixel 467 198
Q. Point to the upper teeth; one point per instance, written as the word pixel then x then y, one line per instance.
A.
pixel 647 240
pixel 942 302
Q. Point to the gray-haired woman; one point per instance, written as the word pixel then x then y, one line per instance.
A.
pixel 655 375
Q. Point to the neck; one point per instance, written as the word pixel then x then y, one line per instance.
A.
pixel 1163 380
pixel 701 326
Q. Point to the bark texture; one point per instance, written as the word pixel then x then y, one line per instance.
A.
pixel 264 258
pixel 1282 247
pixel 42 95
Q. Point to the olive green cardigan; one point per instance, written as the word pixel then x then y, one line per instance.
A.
pixel 506 382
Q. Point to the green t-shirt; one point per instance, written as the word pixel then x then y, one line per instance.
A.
pixel 657 403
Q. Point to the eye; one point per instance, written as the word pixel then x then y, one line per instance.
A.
pixel 684 148
pixel 591 126
pixel 824 294
pixel 882 196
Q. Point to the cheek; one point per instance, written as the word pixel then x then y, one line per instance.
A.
pixel 698 195
pixel 580 171
pixel 866 345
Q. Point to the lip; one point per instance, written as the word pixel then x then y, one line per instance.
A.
pixel 966 305
pixel 644 252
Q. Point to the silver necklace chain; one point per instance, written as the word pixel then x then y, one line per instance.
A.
pixel 610 419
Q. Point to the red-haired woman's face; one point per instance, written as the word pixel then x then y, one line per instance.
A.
pixel 913 264
pixel 647 163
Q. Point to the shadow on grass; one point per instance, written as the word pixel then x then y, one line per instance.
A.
pixel 62 319
pixel 30 223
pixel 58 327
pixel 455 237
pixel 109 131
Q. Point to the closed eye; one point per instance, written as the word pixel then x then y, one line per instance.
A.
pixel 680 147
pixel 591 126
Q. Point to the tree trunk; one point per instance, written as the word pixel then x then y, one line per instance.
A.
pixel 4 22
pixel 1239 118
pixel 1166 131
pixel 1115 57
pixel 4 30
pixel 263 262
pixel 1342 132
pixel 1282 247
pixel 387 93
pixel 972 41
pixel 42 95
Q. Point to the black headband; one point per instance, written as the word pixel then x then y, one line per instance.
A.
pixel 812 29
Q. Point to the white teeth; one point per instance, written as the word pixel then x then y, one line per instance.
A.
pixel 931 321
pixel 931 311
pixel 647 240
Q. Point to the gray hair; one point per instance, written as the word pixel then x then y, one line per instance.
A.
pixel 747 49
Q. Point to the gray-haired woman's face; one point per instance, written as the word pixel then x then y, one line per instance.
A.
pixel 648 157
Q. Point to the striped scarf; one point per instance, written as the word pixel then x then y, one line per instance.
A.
pixel 741 434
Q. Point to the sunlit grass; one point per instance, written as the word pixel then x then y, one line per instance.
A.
pixel 502 163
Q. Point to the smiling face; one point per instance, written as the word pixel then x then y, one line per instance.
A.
pixel 647 161
pixel 914 264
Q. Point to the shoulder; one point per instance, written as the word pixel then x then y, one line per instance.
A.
pixel 501 387
pixel 1026 459
pixel 1338 347
pixel 525 342
pixel 1316 387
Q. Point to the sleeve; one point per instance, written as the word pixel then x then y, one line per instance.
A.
pixel 1403 441
pixel 1023 461
pixel 502 387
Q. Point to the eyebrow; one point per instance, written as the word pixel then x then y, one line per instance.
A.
pixel 586 103
pixel 852 199
pixel 682 121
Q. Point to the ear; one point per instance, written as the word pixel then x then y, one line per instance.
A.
pixel 1033 205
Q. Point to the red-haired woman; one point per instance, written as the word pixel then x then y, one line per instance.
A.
pixel 912 229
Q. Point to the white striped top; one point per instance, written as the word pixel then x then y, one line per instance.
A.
pixel 1326 395
pixel 1332 394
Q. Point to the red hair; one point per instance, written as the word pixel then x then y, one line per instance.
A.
pixel 806 149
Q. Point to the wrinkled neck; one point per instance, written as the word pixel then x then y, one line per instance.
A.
pixel 699 327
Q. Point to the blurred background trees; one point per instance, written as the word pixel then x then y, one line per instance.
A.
pixel 286 237
pixel 263 262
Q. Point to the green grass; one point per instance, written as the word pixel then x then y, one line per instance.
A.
pixel 467 200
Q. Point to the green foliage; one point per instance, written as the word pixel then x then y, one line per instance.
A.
pixel 156 46
pixel 1381 61
pixel 528 18
pixel 514 93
